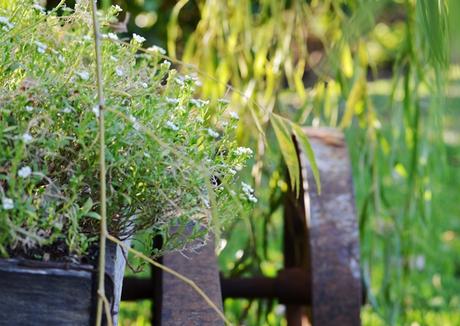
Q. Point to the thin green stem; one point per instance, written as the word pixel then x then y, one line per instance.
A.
pixel 103 224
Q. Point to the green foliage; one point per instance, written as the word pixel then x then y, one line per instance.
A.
pixel 264 47
pixel 170 163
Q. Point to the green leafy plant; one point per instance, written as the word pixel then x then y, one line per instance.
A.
pixel 170 165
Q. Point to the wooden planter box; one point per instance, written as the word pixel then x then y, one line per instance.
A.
pixel 49 293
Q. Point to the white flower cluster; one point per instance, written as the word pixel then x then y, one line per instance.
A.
pixel 84 75
pixel 171 100
pixel 7 203
pixel 212 133
pixel 27 138
pixel 249 192
pixel 7 25
pixel 179 80
pixel 234 115
pixel 243 151
pixel 117 8
pixel 96 111
pixel 39 8
pixel 156 49
pixel 138 39
pixel 41 48
pixel 136 124
pixel 194 78
pixel 112 36
pixel 171 126
pixel 25 172
pixel 165 65
pixel 119 71
pixel 199 103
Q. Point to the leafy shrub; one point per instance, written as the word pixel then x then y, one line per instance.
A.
pixel 170 164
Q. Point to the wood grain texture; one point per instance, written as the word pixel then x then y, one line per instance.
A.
pixel 321 235
pixel 50 293
pixel 180 305
pixel 44 296
pixel 333 232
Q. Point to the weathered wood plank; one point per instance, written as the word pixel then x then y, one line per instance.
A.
pixel 38 296
pixel 51 293
pixel 333 232
pixel 179 304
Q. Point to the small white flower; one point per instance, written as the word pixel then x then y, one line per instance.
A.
pixel 243 151
pixel 84 75
pixel 27 138
pixel 66 110
pixel 96 111
pixel 38 7
pixel 212 133
pixel 232 171
pixel 199 103
pixel 136 124
pixel 206 203
pixel 139 39
pixel 234 115
pixel 7 203
pixel 117 8
pixel 179 80
pixel 119 71
pixel 24 172
pixel 112 36
pixel 172 126
pixel 249 192
pixel 165 64
pixel 156 49
pixel 144 85
pixel 5 21
pixel 246 187
pixel 29 108
pixel 193 77
pixel 87 38
pixel 171 100
pixel 41 48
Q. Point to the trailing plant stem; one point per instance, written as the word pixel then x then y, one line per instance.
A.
pixel 103 224
pixel 172 272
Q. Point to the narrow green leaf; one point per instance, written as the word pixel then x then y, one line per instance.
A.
pixel 87 206
pixel 288 150
pixel 306 147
